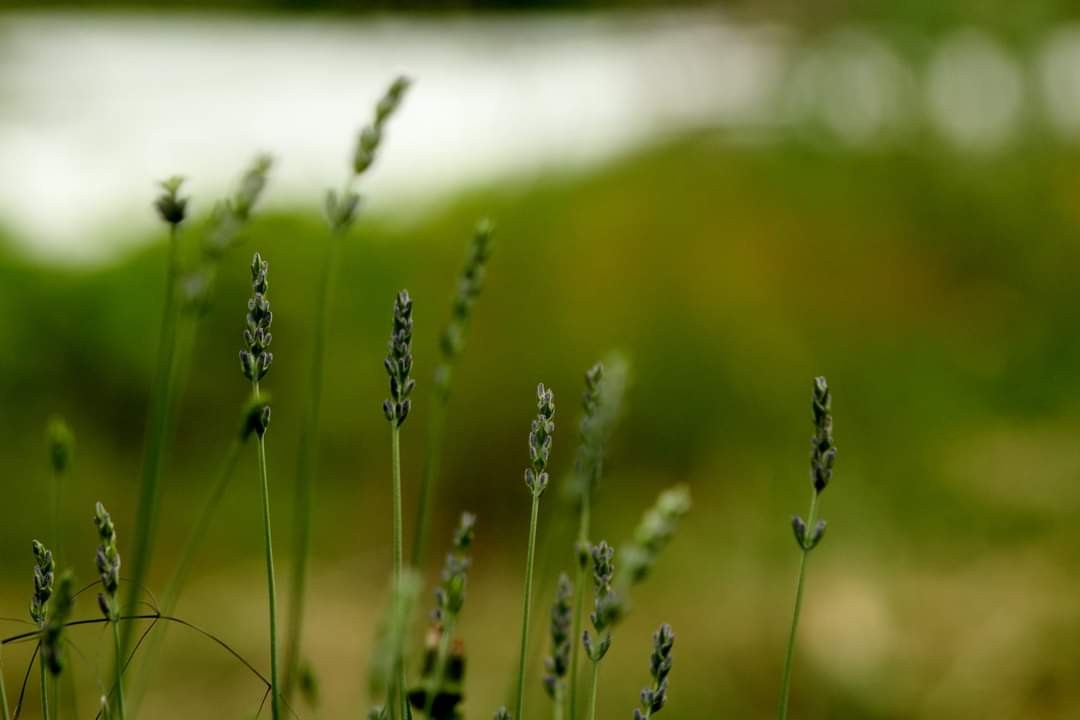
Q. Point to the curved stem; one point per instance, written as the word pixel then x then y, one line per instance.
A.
pixel 158 433
pixel 595 684
pixel 119 665
pixel 307 462
pixel 799 587
pixel 271 585
pixel 395 451
pixel 526 606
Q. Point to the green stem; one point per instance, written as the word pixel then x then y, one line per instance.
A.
pixel 558 711
pixel 595 684
pixel 395 451
pixel 307 462
pixel 271 585
pixel 158 432
pixel 432 457
pixel 119 664
pixel 799 587
pixel 579 601
pixel 3 690
pixel 527 606
pixel 44 687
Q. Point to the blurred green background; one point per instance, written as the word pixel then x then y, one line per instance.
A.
pixel 933 285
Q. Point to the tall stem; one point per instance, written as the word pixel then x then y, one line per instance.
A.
pixel 307 462
pixel 579 601
pixel 527 606
pixel 395 451
pixel 3 691
pixel 44 688
pixel 799 586
pixel 432 457
pixel 595 684
pixel 158 434
pixel 119 664
pixel 271 585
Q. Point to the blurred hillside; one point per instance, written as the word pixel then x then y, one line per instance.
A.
pixel 935 291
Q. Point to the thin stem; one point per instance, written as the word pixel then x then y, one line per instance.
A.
pixel 395 452
pixel 579 601
pixel 3 690
pixel 271 585
pixel 527 606
pixel 595 684
pixel 558 711
pixel 432 458
pixel 158 433
pixel 799 586
pixel 119 665
pixel 44 689
pixel 307 462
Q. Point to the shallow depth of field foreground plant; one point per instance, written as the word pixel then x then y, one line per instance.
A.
pixel 418 665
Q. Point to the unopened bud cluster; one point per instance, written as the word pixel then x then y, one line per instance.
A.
pixel 607 608
pixel 108 564
pixel 399 361
pixel 170 206
pixel 450 595
pixel 470 283
pixel 60 441
pixel 653 698
pixel 536 476
pixel 558 663
pixel 256 360
pixel 822 450
pixel 652 535
pixel 44 569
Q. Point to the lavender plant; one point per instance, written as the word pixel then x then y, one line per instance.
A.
pixel 601 403
pixel 536 479
pixel 558 663
pixel 652 535
pixel 108 566
pixel 53 627
pixel 654 697
pixel 440 690
pixel 255 362
pixel 340 213
pixel 61 443
pixel 172 208
pixel 44 569
pixel 607 608
pixel 809 533
pixel 470 283
pixel 398 365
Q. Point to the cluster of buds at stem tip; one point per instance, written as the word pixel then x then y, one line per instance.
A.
pixel 399 361
pixel 543 427
pixel 653 698
pixel 44 569
pixel 170 206
pixel 822 457
pixel 108 564
pixel 341 210
pixel 470 283
pixel 61 441
pixel 652 535
pixel 51 644
pixel 607 607
pixel 256 360
pixel 450 595
pixel 558 663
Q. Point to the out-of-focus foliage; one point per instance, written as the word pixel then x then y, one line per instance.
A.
pixel 936 291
